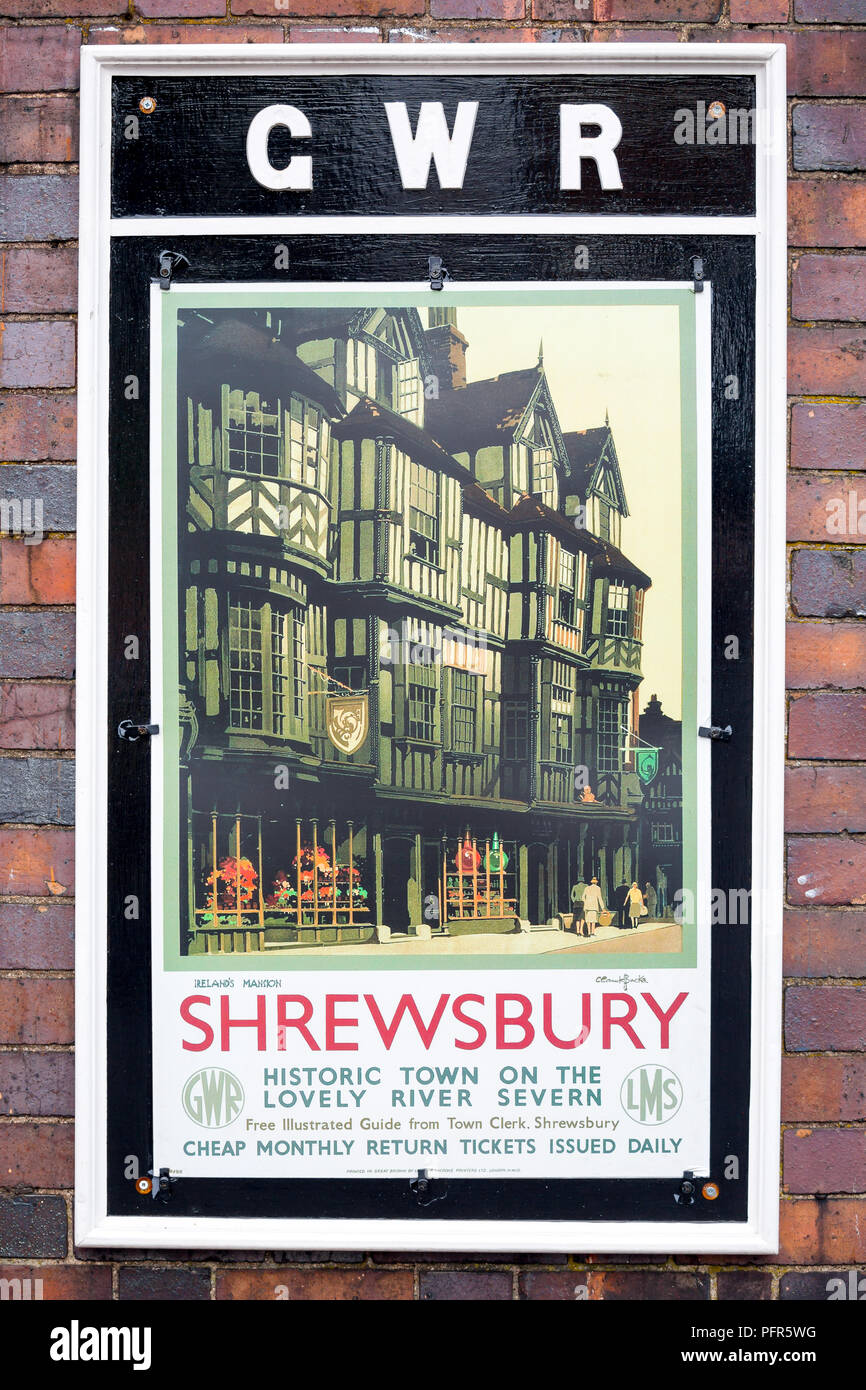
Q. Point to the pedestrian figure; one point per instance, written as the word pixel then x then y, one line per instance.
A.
pixel 636 906
pixel 593 905
pixel 621 906
pixel 577 892
pixel 651 899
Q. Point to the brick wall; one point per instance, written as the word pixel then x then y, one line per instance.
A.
pixel 823 1140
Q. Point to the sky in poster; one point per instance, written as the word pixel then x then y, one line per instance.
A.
pixel 623 359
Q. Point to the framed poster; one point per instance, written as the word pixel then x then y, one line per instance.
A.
pixel 432 599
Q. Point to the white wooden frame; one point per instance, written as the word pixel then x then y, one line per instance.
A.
pixel 766 63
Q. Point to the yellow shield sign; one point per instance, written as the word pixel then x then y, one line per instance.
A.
pixel 347 721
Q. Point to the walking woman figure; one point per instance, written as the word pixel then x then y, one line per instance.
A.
pixel 593 906
pixel 636 906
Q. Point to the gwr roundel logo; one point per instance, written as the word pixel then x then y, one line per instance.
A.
pixel 213 1098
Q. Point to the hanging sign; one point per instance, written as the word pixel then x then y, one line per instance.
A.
pixel 431 619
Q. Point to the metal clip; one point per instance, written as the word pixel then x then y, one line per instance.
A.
pixel 437 272
pixel 685 1194
pixel 133 732
pixel 698 274
pixel 422 1186
pixel 716 733
pixel 168 264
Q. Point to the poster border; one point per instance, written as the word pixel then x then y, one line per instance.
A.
pixel 759 1233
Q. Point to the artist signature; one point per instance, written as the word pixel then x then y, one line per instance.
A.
pixel 620 980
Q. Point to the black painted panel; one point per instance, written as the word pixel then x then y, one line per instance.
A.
pixel 189 155
pixel 729 265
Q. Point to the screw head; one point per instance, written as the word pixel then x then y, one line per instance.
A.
pixel 710 1191
pixel 715 110
pixel 143 1187
pixel 147 106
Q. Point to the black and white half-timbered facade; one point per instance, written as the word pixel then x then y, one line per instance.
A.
pixel 410 638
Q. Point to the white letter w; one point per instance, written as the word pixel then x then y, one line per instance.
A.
pixel 432 140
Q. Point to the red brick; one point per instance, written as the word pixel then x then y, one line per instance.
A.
pixel 62 9
pixel 824 1088
pixel 36 1011
pixel 634 36
pixel 489 33
pixel 183 9
pixel 37 354
pixel 331 1285
pixel 28 856
pixel 39 207
pixel 39 59
pixel 37 427
pixel 824 1160
pixel 36 280
pixel 825 654
pixel 310 33
pixel 38 130
pixel 826 361
pixel 34 643
pixel 828 287
pixel 687 11
pixel 63 1282
pixel 829 11
pixel 826 213
pixel 43 573
pixel 470 9
pixel 824 942
pixel 562 11
pixel 37 936
pixel 829 583
pixel 827 726
pixel 829 136
pixel 826 871
pixel 829 1231
pixel 33 1227
pixel 635 1284
pixel 36 1083
pixel 830 799
pixel 36 1155
pixel 744 1285
pixel 33 715
pixel 336 9
pixel 821 62
pixel 147 1284
pixel 820 508
pixel 759 11
pixel 190 33
pixel 825 1018
pixel 458 1285
pixel 828 436
pixel 550 1285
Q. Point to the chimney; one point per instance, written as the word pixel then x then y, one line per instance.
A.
pixel 446 347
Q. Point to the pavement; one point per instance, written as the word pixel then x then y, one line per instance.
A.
pixel 650 936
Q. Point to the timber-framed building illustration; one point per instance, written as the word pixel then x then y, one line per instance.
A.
pixel 410 641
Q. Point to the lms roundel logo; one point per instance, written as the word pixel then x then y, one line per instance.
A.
pixel 651 1095
pixel 213 1098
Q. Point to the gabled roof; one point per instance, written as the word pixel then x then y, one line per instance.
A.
pixel 483 412
pixel 590 453
pixel 249 359
pixel 531 513
pixel 585 448
pixel 370 419
pixel 475 499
